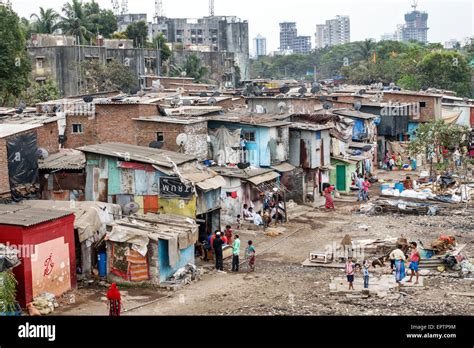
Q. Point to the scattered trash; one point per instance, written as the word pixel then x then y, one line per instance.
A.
pixel 45 304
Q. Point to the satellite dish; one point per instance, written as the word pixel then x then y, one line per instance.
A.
pixel 22 105
pixel 180 90
pixel 367 148
pixel 258 91
pixel 175 101
pixel 362 91
pixel 162 111
pixel 19 111
pixel 281 107
pixel 156 144
pixel 130 208
pixel 323 98
pixel 357 105
pixel 203 95
pixel 182 139
pixel 302 90
pixel 212 101
pixel 330 90
pixel 187 102
pixel 284 89
pixel 88 99
pixel 42 153
pixel 392 84
pixel 316 88
pixel 216 94
pixel 327 105
pixel 424 88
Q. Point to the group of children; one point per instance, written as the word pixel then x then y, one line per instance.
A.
pixel 397 259
pixel 396 161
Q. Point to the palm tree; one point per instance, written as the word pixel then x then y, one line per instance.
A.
pixel 46 22
pixel 74 21
pixel 365 49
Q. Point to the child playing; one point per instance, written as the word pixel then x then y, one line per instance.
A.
pixel 350 272
pixel 239 222
pixel 414 262
pixel 250 256
pixel 365 272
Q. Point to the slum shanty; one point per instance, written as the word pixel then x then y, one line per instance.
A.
pixel 274 187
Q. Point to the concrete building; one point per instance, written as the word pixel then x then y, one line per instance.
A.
pixel 209 34
pixel 124 20
pixel 416 27
pixel 290 41
pixel 260 46
pixel 61 63
pixel 335 31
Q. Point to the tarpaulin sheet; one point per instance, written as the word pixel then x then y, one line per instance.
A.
pixel 343 129
pixel 22 160
pixel 358 132
pixel 225 145
pixel 393 125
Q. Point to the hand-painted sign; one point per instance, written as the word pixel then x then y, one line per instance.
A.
pixel 173 187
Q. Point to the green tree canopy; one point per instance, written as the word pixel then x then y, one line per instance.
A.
pixel 100 21
pixel 107 77
pixel 159 41
pixel 74 22
pixel 15 65
pixel 46 22
pixel 138 32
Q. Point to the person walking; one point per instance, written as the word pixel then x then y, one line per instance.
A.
pixel 235 253
pixel 365 272
pixel 365 187
pixel 115 301
pixel 217 246
pixel 360 192
pixel 250 256
pixel 328 196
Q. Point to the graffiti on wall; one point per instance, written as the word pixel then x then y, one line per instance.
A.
pixel 50 267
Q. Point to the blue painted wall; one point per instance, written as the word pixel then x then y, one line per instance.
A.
pixel 166 271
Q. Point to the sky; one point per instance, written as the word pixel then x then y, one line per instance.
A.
pixel 448 19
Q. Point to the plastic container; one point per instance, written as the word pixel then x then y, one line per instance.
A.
pixel 17 313
pixel 399 186
pixel 102 263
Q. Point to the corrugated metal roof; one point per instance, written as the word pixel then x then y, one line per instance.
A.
pixel 11 129
pixel 32 119
pixel 172 120
pixel 27 216
pixel 66 159
pixel 139 154
pixel 257 180
pixel 284 167
pixel 354 113
pixel 310 126
pixel 241 173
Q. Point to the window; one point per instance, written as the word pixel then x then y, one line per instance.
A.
pixel 77 129
pixel 422 104
pixel 249 136
pixel 160 136
pixel 39 63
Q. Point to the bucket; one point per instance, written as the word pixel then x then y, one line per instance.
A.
pixel 384 187
pixel 399 187
pixel 102 261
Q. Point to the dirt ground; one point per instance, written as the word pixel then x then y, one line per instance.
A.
pixel 281 286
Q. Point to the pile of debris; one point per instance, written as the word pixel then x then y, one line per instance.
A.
pixel 43 304
pixel 183 276
pixel 382 206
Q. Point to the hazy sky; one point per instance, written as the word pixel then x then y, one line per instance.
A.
pixel 448 19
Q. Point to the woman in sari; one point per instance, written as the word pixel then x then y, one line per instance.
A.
pixel 400 259
pixel 328 196
pixel 115 301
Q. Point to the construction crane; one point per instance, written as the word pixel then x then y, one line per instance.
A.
pixel 211 8
pixel 415 5
pixel 158 9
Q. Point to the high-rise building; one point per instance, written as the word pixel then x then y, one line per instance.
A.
pixel 288 34
pixel 260 46
pixel 416 26
pixel 302 44
pixel 291 42
pixel 335 31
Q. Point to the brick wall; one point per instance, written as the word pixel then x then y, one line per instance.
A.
pixel 48 137
pixel 430 112
pixel 112 123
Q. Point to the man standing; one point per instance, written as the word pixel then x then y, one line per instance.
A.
pixel 235 254
pixel 217 245
pixel 360 193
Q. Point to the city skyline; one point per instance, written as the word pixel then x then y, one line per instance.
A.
pixel 448 20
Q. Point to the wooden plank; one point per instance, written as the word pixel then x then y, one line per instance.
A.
pixel 467 294
pixel 150 204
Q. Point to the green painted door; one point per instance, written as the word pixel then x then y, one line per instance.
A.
pixel 341 178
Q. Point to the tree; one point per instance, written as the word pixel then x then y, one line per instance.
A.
pixel 161 42
pixel 432 136
pixel 46 22
pixel 40 93
pixel 138 32
pixel 192 68
pixel 119 35
pixel 15 65
pixel 365 49
pixel 100 21
pixel 107 77
pixel 75 22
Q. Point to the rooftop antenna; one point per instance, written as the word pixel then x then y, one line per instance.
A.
pixel 158 9
pixel 211 8
pixel 415 5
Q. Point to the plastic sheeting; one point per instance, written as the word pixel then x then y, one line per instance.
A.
pixel 22 160
pixel 225 145
pixel 343 129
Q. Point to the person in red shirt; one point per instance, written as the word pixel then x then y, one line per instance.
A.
pixel 228 234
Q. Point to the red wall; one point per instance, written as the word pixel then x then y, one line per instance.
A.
pixel 27 236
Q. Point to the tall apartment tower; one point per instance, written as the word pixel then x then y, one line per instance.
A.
pixel 335 31
pixel 260 46
pixel 416 27
pixel 288 34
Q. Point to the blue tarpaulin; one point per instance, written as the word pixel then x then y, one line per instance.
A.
pixel 358 131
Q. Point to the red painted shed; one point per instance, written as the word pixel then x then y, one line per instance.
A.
pixel 45 239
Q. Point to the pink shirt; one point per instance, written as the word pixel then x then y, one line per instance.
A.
pixel 350 268
pixel 415 257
